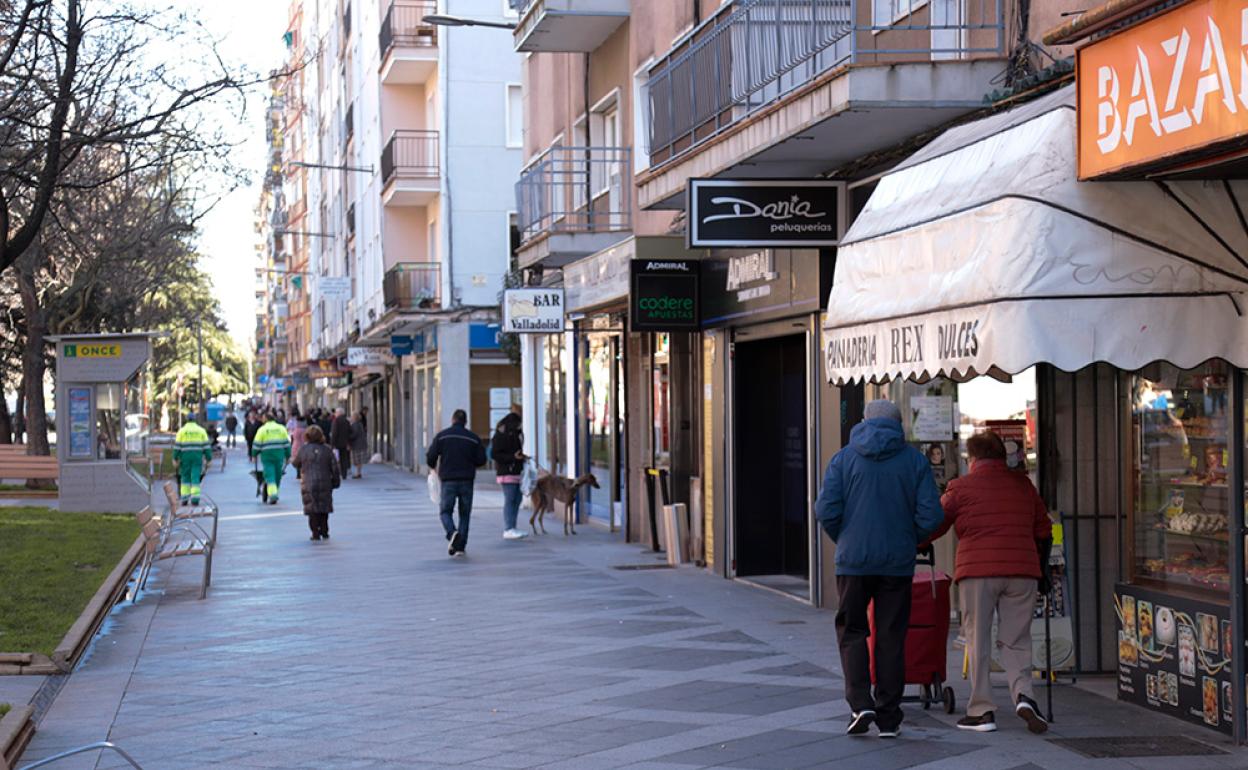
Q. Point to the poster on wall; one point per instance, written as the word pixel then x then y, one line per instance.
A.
pixel 931 418
pixel 1013 434
pixel 1174 655
pixel 80 422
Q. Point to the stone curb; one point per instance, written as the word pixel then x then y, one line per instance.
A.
pixel 16 730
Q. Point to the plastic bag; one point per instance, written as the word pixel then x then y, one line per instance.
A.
pixel 528 478
pixel 435 487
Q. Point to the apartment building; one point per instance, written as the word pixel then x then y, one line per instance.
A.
pixel 410 145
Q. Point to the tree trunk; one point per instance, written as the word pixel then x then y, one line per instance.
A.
pixel 19 416
pixel 34 364
pixel 6 420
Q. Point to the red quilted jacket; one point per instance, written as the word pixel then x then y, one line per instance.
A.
pixel 998 517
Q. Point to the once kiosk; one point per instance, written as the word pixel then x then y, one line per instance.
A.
pixel 102 421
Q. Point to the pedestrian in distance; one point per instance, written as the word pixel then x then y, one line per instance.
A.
pixel 325 421
pixel 272 446
pixel 1004 535
pixel 507 452
pixel 249 430
pixel 359 445
pixel 456 453
pixel 319 477
pixel 340 438
pixel 192 450
pixel 231 428
pixel 296 429
pixel 878 502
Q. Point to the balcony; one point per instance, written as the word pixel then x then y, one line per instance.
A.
pixel 413 286
pixel 798 87
pixel 568 26
pixel 556 225
pixel 410 168
pixel 409 45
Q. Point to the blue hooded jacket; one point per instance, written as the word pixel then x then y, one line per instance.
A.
pixel 879 501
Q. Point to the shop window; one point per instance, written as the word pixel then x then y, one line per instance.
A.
pixel 660 404
pixel 108 425
pixel 1177 536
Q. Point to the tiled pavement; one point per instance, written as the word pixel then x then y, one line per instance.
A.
pixel 374 650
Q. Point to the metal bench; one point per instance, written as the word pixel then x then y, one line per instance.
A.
pixel 170 540
pixel 178 512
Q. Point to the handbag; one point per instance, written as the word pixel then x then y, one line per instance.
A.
pixel 435 487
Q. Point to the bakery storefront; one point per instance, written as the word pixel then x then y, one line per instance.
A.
pixel 1118 308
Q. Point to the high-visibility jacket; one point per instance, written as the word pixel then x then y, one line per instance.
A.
pixel 271 442
pixel 192 444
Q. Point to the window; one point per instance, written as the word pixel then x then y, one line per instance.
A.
pixel 515 115
pixel 431 255
pixel 605 125
pixel 109 435
pixel 887 12
pixel 641 117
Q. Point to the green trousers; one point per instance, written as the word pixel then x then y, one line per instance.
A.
pixel 190 471
pixel 273 464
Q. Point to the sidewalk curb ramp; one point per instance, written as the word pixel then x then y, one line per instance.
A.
pixel 16 729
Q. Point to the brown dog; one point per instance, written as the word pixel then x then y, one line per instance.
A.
pixel 551 489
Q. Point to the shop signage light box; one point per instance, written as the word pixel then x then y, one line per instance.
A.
pixel 1171 90
pixel 369 357
pixel 533 311
pixel 663 295
pixel 732 213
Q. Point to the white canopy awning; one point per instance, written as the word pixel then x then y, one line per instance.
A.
pixel 983 252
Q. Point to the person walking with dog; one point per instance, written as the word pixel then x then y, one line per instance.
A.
pixel 456 453
pixel 507 451
pixel 319 477
pixel 272 446
pixel 1004 537
pixel 879 501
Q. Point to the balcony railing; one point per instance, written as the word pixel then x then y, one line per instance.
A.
pixel 751 53
pixel 519 6
pixel 404 25
pixel 413 286
pixel 552 192
pixel 410 153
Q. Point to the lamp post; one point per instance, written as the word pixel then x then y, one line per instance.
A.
pixel 446 20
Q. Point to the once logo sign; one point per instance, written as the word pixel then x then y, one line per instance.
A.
pixel 93 350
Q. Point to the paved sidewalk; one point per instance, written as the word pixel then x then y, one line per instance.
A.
pixel 375 650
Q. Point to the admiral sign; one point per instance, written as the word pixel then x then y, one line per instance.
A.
pixel 1166 91
pixel 763 212
pixel 533 311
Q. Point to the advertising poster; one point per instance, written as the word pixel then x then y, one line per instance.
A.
pixel 931 418
pixel 80 422
pixel 1174 655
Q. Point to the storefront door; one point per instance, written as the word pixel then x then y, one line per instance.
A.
pixel 602 416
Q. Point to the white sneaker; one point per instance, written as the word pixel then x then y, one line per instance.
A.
pixel 514 534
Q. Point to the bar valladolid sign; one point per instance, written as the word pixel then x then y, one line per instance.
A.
pixel 533 311
pixel 763 212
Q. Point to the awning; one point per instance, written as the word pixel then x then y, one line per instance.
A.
pixel 982 252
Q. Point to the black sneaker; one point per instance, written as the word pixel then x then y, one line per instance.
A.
pixel 860 722
pixel 1029 711
pixel 981 724
pixel 890 732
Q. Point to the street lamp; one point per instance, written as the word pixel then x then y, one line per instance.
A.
pixel 302 164
pixel 444 20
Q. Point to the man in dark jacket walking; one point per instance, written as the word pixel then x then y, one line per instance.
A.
pixel 456 453
pixel 879 501
pixel 340 440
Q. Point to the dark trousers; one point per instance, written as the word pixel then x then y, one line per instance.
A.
pixel 319 523
pixel 892 615
pixel 453 491
pixel 344 460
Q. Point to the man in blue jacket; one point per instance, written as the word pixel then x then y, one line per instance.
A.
pixel 456 453
pixel 879 501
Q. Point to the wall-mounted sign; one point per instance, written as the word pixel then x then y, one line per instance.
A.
pixel 334 287
pixel 1164 92
pixel 763 212
pixel 663 295
pixel 484 336
pixel 401 344
pixel 98 350
pixel 325 367
pixel 301 378
pixel 533 311
pixel 369 357
pixel 79 421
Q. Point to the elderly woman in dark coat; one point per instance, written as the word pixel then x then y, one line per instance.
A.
pixel 320 476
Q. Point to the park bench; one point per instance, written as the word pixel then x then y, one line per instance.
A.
pixel 179 512
pixel 169 540
pixel 16 464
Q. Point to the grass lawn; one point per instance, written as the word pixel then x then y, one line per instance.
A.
pixel 22 487
pixel 4 709
pixel 51 564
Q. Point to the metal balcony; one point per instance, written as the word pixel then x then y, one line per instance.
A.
pixel 410 168
pixel 578 198
pixel 569 26
pixel 753 53
pixel 413 286
pixel 409 44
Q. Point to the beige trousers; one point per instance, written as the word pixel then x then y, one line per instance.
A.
pixel 1013 599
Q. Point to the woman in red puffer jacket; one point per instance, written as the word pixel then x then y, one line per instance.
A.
pixel 1003 527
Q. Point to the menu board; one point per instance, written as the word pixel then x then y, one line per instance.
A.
pixel 1174 655
pixel 80 422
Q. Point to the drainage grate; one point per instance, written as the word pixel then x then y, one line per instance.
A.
pixel 1137 746
pixel 640 566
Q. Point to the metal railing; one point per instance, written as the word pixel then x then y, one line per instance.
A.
pixel 99 746
pixel 751 53
pixel 404 24
pixel 413 286
pixel 576 190
pixel 410 153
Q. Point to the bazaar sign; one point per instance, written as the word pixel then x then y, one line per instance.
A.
pixel 1168 91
